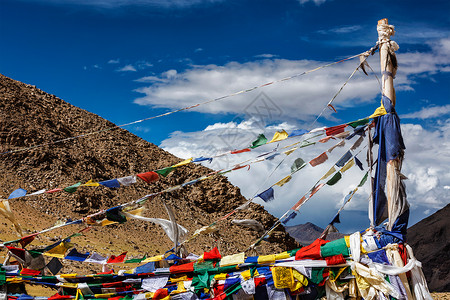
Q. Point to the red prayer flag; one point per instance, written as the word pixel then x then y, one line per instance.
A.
pixel 259 281
pixel 335 260
pixel 148 176
pixel 54 190
pixel 26 240
pixel 160 294
pixel 240 151
pixel 184 268
pixel 326 139
pixel 319 159
pixel 117 259
pixel 297 205
pixel 213 254
pixel 58 297
pixel 316 189
pixel 30 272
pixel 335 129
pixel 312 251
pixel 17 252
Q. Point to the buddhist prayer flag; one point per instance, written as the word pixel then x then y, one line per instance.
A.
pixel 96 259
pixel 279 136
pixel 91 183
pixel 59 250
pixel 358 163
pixel 17 193
pixel 291 216
pixel 335 178
pixel 240 151
pixel 184 162
pixel 335 129
pixel 359 123
pixel 284 180
pixel 127 181
pixel 297 165
pixel 267 195
pixel 344 159
pixel 261 140
pixel 164 172
pixel 201 158
pixel 348 165
pixel 330 171
pixel 73 188
pixel 148 176
pixel 319 159
pixel 117 259
pixel 54 266
pixel 75 255
pixel 112 183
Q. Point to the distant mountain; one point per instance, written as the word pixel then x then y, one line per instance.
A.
pixel 307 233
pixel 430 240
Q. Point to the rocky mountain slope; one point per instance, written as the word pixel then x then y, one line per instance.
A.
pixel 29 116
pixel 430 239
pixel 307 233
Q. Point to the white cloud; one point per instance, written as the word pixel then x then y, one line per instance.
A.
pixel 310 93
pixel 114 61
pixel 341 29
pixel 266 55
pixel 316 2
pixel 198 50
pixel 127 68
pixel 428 112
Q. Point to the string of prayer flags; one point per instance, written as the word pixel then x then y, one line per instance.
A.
pixel 340 144
pixel 297 165
pixel 357 143
pixel 359 164
pixel 54 266
pixel 279 136
pixel 267 195
pixel 260 140
pixel 117 259
pixel 113 214
pixel 59 250
pixel 330 171
pixel 319 159
pixel 291 216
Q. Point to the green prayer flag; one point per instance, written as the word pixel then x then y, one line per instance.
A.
pixel 135 260
pixel 73 188
pixel 206 265
pixel 261 140
pixel 358 122
pixel 2 277
pixel 363 180
pixel 335 178
pixel 306 144
pixel 297 165
pixel 164 172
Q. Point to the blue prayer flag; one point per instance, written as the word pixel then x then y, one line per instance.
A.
pixel 267 195
pixel 17 193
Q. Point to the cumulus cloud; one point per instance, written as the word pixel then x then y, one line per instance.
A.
pixel 127 68
pixel 428 112
pixel 341 29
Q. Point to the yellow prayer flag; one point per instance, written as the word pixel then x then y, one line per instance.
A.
pixel 59 250
pixel 107 222
pixel 299 280
pixel 221 276
pixel 290 150
pixel 279 136
pixel 137 211
pixel 284 180
pixel 234 259
pixel 348 165
pixel 282 255
pixel 331 171
pixel 378 112
pixel 153 258
pixel 69 285
pixel 246 275
pixel 72 275
pixel 184 162
pixel 282 277
pixel 107 295
pixel 90 183
pixel 266 259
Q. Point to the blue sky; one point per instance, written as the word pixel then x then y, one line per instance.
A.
pixel 129 59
